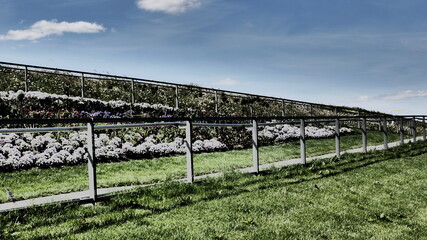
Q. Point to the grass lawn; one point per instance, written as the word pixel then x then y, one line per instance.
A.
pixel 379 195
pixel 42 182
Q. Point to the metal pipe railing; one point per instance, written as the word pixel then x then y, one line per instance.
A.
pixel 190 123
pixel 176 86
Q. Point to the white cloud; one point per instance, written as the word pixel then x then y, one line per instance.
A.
pixel 227 82
pixel 45 28
pixel 168 6
pixel 404 95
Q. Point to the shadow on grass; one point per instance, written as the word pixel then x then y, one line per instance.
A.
pixel 171 195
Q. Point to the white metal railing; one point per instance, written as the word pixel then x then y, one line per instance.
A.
pixel 82 76
pixel 90 127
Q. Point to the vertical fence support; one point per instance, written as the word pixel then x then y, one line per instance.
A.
pixel 401 132
pixel 251 108
pixel 132 100
pixel 26 78
pixel 337 138
pixel 91 163
pixel 311 109
pixel 364 136
pixel 255 147
pixel 133 92
pixel 414 129
pixel 176 97
pixel 82 85
pixel 385 133
pixel 302 142
pixel 424 128
pixel 283 108
pixel 216 101
pixel 189 151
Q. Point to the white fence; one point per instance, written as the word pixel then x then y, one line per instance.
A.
pixel 92 125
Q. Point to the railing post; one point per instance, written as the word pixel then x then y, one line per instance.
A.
pixel 283 108
pixel 364 136
pixel 91 161
pixel 255 147
pixel 385 133
pixel 216 101
pixel 133 91
pixel 311 109
pixel 402 136
pixel 302 142
pixel 176 97
pixel 337 138
pixel 189 151
pixel 132 96
pixel 26 78
pixel 82 83
pixel 424 128
pixel 414 129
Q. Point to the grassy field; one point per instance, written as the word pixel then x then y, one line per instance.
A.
pixel 379 195
pixel 42 182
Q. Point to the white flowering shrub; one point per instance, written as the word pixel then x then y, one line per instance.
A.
pixel 41 105
pixel 281 133
pixel 27 150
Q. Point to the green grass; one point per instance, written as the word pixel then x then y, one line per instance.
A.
pixel 42 182
pixel 379 195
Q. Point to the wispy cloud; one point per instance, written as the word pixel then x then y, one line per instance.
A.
pixel 227 82
pixel 363 98
pixel 404 95
pixel 45 28
pixel 168 6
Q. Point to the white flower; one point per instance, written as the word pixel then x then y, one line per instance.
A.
pixel 68 148
pixel 75 144
pixel 127 147
pixel 115 142
pixel 27 160
pixel 72 159
pixel 65 141
pixel 37 143
pixel 150 139
pixel 142 149
pixel 198 146
pixel 50 151
pixel 28 136
pixel 213 144
pixel 137 137
pixel 55 145
pixel 22 145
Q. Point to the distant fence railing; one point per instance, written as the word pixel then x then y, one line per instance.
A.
pixel 92 125
pixel 133 85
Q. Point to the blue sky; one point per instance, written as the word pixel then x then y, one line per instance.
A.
pixel 365 53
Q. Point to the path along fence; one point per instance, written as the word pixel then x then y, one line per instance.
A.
pixel 92 125
pixel 134 90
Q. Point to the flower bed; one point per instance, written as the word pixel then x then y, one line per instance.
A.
pixel 23 151
pixel 43 105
